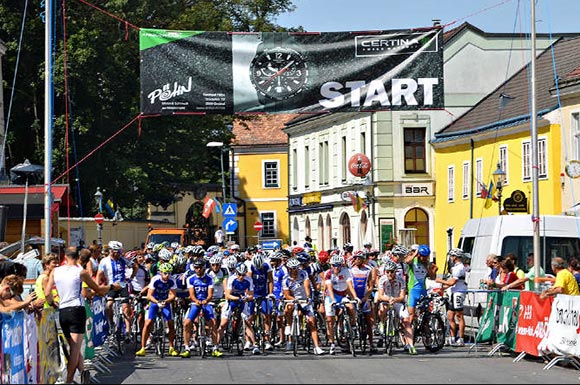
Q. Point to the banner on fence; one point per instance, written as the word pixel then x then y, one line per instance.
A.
pixel 508 319
pixel 563 335
pixel 49 348
pixel 533 319
pixel 216 72
pixel 88 346
pixel 486 332
pixel 13 369
pixel 31 348
pixel 100 321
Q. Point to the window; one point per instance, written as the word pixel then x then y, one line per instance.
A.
pixel 323 168
pixel 294 169
pixel 465 190
pixel 343 166
pixel 527 159
pixel 268 220
pixel 503 151
pixel 326 163
pixel 306 167
pixel 479 177
pixel 271 173
pixel 363 142
pixel 575 132
pixel 414 150
pixel 450 183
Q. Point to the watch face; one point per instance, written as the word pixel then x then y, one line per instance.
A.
pixel 279 73
pixel 573 169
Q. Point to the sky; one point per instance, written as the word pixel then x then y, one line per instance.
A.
pixel 503 16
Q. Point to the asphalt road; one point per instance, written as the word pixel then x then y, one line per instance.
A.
pixel 450 365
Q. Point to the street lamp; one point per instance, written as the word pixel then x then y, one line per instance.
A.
pixel 220 144
pixel 499 179
pixel 99 199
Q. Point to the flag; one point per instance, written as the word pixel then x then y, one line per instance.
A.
pixel 359 203
pixel 489 195
pixel 110 207
pixel 218 205
pixel 483 190
pixel 208 206
pixel 352 197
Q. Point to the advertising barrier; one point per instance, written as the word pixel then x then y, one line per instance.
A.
pixel 532 327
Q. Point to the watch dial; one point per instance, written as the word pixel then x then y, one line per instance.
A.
pixel 573 169
pixel 279 73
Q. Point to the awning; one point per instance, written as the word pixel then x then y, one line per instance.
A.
pixel 12 196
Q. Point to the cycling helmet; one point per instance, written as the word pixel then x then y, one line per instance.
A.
pixel 293 263
pixel 424 250
pixel 386 258
pixel 174 245
pixel 323 257
pixel 311 252
pixel 165 243
pixel 297 249
pixel 360 254
pixel 277 255
pixel 456 252
pixel 179 263
pixel 164 255
pixel 367 244
pixel 115 245
pixel 235 246
pixel 231 263
pixel 207 256
pixel 130 255
pixel 258 261
pixel 198 262
pixel 348 247
pixel 390 266
pixel 241 268
pixel 157 247
pixel 227 253
pixel 303 257
pixel 197 250
pixel 166 267
pixel 286 253
pixel 213 249
pixel 336 259
pixel 215 259
pixel 400 251
pixel 150 245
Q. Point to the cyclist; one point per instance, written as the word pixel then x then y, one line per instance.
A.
pixel 392 289
pixel 419 269
pixel 239 291
pixel 200 287
pixel 457 287
pixel 261 274
pixel 347 250
pixel 338 283
pixel 278 273
pixel 363 278
pixel 160 295
pixel 296 286
pixel 163 256
pixel 112 269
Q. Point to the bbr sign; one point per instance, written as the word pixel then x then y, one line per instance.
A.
pixel 417 189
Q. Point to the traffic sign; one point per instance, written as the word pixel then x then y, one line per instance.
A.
pixel 230 225
pixel 258 226
pixel 230 209
pixel 99 218
pixel 272 244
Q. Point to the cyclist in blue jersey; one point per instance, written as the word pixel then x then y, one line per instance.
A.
pixel 200 287
pixel 239 291
pixel 419 269
pixel 261 274
pixel 363 280
pixel 160 295
pixel 278 273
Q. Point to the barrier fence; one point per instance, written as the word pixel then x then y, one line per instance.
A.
pixel 524 323
pixel 34 350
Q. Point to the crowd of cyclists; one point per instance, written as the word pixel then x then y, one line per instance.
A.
pixel 267 286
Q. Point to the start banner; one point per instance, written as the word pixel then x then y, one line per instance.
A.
pixel 287 72
pixel 533 317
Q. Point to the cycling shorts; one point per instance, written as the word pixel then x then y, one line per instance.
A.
pixel 456 302
pixel 227 312
pixel 195 309
pixel 400 309
pixel 123 293
pixel 264 303
pixel 414 295
pixel 328 308
pixel 152 311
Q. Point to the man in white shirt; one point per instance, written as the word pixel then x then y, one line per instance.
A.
pixel 219 237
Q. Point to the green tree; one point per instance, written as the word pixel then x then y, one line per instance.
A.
pixel 147 162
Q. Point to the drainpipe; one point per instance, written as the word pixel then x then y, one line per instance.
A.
pixel 472 146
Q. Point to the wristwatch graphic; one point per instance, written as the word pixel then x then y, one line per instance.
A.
pixel 278 72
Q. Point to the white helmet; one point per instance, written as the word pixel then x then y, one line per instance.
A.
pixel 164 254
pixel 115 245
pixel 231 262
pixel 336 259
pixel 258 261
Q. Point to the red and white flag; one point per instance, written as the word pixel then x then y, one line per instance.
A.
pixel 208 206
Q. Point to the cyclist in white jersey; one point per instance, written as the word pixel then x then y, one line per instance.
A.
pixel 338 283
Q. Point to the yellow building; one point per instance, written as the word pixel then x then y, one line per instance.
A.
pixel 497 132
pixel 259 153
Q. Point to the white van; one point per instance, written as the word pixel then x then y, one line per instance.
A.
pixel 500 235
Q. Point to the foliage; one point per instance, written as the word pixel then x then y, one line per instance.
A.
pixel 147 162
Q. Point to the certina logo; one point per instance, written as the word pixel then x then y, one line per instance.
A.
pixel 166 93
pixel 383 45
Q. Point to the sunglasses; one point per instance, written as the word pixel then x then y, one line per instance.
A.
pixel 336 265
pixel 390 272
pixel 216 264
pixel 197 267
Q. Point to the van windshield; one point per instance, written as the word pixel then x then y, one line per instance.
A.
pixel 550 247
pixel 159 238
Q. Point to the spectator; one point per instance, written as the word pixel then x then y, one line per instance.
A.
pixel 519 272
pixel 219 237
pixel 492 263
pixel 574 267
pixel 68 279
pixel 10 288
pixel 33 263
pixel 565 282
pixel 49 262
pixel 528 278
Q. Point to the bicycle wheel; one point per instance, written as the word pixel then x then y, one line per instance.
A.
pixel 119 334
pixel 202 341
pixel 361 328
pixel 259 330
pixel 433 332
pixel 238 333
pixel 179 342
pixel 349 334
pixel 389 333
pixel 295 335
pixel 321 327
pixel 159 336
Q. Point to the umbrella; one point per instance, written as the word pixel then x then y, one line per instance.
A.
pixel 25 173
